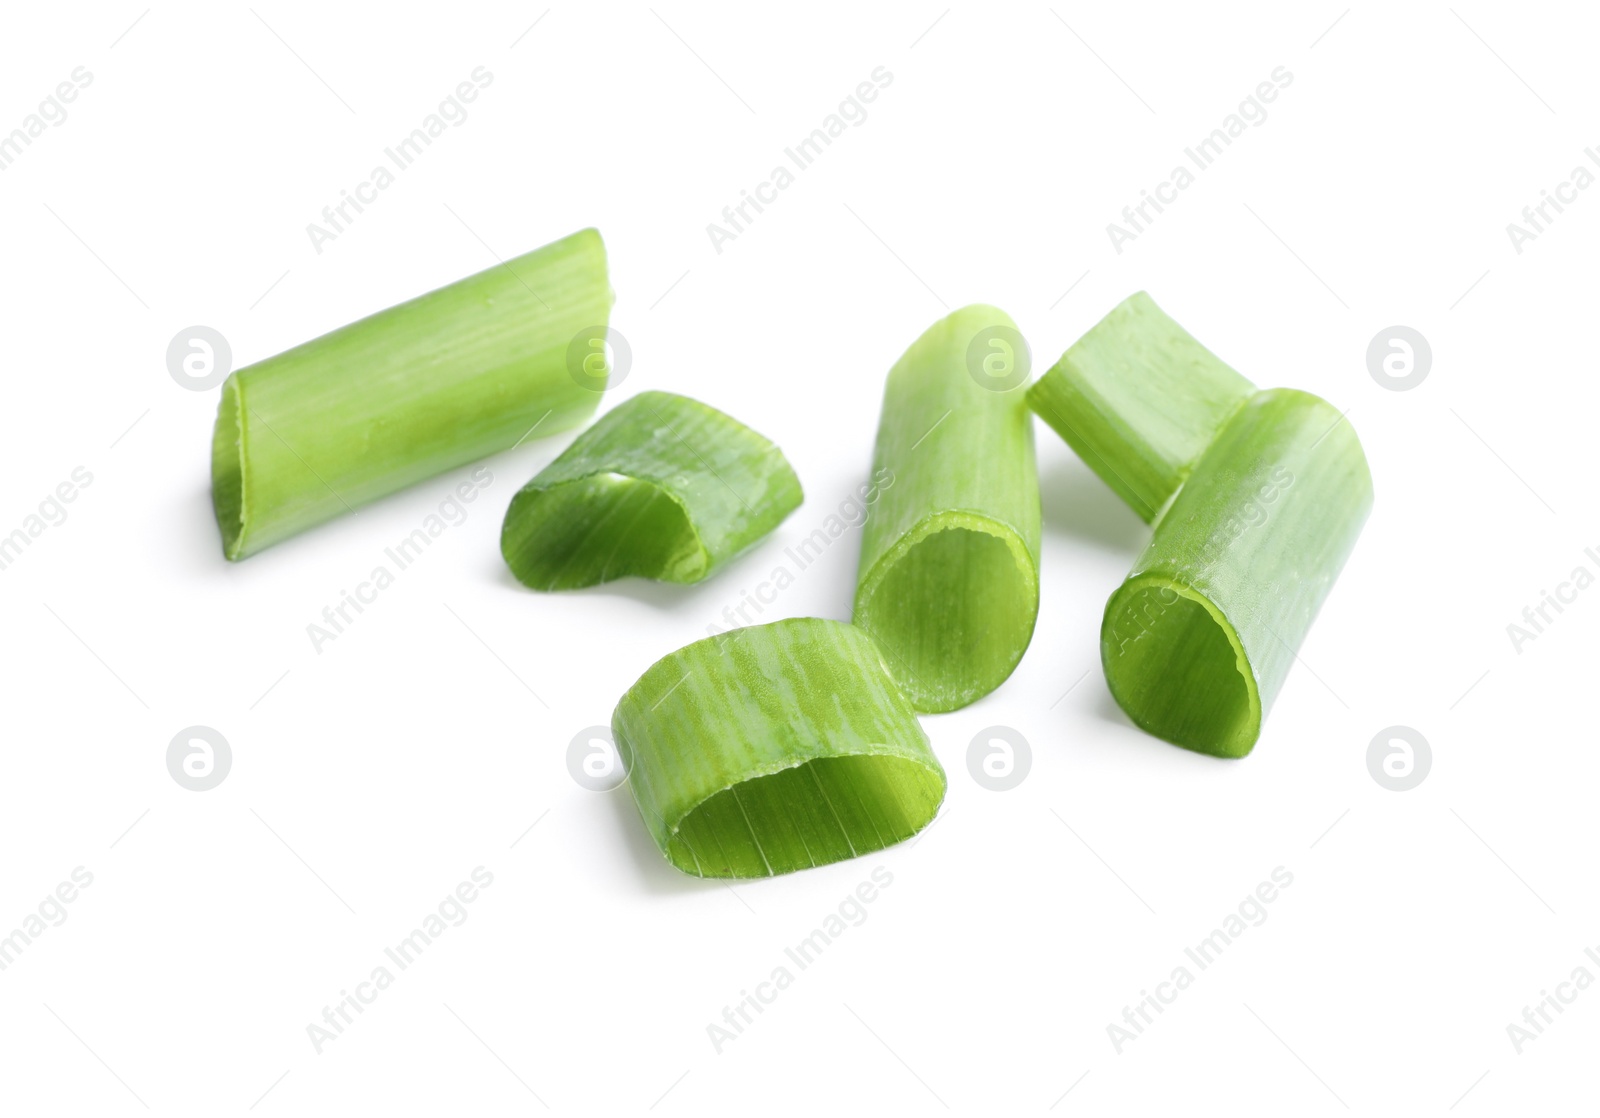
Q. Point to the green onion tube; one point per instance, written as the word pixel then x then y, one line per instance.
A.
pixel 949 578
pixel 1197 642
pixel 420 388
pixel 662 486
pixel 1139 400
pixel 775 748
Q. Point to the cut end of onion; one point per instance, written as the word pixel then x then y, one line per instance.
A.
pixel 1176 667
pixel 227 470
pixel 952 607
pixel 816 813
pixel 595 529
pixel 662 487
pixel 775 748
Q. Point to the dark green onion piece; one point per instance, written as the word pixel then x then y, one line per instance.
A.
pixel 1197 642
pixel 775 748
pixel 661 486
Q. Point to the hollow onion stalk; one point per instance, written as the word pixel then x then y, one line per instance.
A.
pixel 661 486
pixel 1258 498
pixel 948 583
pixel 775 748
pixel 407 393
pixel 1197 641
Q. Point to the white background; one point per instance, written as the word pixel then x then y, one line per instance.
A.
pixel 369 779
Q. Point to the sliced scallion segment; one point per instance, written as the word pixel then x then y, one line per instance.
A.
pixel 948 583
pixel 1139 400
pixel 661 486
pixel 407 393
pixel 1197 641
pixel 775 748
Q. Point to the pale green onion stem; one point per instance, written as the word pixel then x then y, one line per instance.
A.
pixel 412 391
pixel 948 583
pixel 1139 400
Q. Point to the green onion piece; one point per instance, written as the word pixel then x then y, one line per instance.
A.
pixel 775 748
pixel 949 578
pixel 662 486
pixel 1197 642
pixel 412 391
pixel 1139 400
